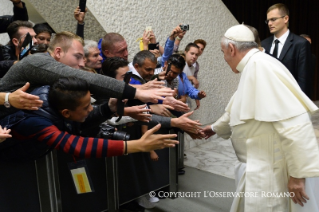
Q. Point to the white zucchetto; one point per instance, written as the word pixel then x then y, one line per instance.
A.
pixel 240 33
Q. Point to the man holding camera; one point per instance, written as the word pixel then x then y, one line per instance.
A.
pixel 9 54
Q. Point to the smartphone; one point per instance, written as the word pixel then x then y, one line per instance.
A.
pixel 82 5
pixel 148 29
pixel 168 69
pixel 127 77
pixel 26 46
pixel 153 46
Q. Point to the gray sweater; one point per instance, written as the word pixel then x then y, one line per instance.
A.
pixel 41 69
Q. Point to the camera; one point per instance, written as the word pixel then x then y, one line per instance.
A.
pixel 40 48
pixel 184 27
pixel 109 132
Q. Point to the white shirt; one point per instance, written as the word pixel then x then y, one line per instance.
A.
pixel 281 43
pixel 133 70
pixel 189 71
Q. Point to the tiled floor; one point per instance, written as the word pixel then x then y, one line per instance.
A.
pixel 218 156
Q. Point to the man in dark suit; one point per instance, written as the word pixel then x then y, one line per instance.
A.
pixel 292 50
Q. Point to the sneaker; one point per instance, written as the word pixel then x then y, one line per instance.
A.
pixel 181 172
pixel 145 203
pixel 153 199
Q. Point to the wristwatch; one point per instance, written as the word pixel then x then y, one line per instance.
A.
pixel 6 101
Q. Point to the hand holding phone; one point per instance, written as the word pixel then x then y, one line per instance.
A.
pixel 82 5
pixel 26 46
pixel 148 30
pixel 168 69
pixel 152 46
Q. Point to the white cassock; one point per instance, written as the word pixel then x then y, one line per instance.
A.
pixel 268 120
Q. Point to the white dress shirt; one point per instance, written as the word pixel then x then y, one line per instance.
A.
pixel 281 43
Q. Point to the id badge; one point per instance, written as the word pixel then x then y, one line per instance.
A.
pixel 81 178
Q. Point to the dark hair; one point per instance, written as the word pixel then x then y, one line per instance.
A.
pixel 256 34
pixel 39 28
pixel 187 48
pixel 141 56
pixel 111 64
pixel 177 60
pixel 66 92
pixel 200 41
pixel 14 27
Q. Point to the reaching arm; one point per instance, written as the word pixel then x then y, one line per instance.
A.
pixel 19 11
pixel 79 16
pixel 22 100
pixel 87 147
pixel 185 87
pixel 169 45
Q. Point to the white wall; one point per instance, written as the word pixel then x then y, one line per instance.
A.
pixel 208 20
pixel 6 8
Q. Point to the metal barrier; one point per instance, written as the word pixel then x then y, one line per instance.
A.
pixel 51 186
pixel 48 184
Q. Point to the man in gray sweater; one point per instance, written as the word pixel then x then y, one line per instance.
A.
pixel 64 58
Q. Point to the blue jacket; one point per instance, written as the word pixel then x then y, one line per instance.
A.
pixel 100 48
pixel 186 88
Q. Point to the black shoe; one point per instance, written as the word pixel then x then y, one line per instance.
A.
pixel 131 207
pixel 181 172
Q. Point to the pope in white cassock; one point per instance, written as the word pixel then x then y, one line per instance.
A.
pixel 268 121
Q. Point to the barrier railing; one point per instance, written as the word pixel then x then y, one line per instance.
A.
pixel 51 193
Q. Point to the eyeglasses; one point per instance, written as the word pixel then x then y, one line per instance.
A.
pixel 273 19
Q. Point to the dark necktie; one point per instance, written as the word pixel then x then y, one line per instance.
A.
pixel 275 53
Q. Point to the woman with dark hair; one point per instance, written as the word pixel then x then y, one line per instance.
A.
pixel 44 33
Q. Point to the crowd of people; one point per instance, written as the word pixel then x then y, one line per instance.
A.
pixel 74 85
pixel 58 95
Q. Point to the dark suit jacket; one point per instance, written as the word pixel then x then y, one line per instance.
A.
pixel 296 56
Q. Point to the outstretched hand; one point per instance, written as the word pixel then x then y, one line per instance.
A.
pixel 138 112
pixel 4 134
pixel 176 104
pixel 201 94
pixel 162 110
pixel 186 124
pixel 151 141
pixel 208 131
pixel 22 100
pixel 153 95
pixel 153 84
pixel 198 135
